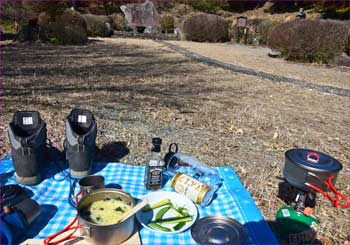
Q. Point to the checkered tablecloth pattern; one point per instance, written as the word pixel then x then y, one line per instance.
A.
pixel 232 200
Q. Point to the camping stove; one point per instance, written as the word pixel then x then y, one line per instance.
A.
pixel 294 221
pixel 305 173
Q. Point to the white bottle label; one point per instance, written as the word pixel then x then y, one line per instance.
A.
pixel 190 187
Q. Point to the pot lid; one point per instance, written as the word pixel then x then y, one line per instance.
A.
pixel 313 160
pixel 218 230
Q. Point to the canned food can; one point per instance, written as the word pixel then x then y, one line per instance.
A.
pixel 194 189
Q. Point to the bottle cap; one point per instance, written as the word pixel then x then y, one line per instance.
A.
pixel 156 141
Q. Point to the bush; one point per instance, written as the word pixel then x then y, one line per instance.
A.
pixel 181 9
pixel 119 22
pixel 342 60
pixel 53 8
pixel 263 30
pixel 8 27
pixel 309 40
pixel 336 13
pixel 69 29
pixel 203 27
pixel 167 23
pixel 98 25
pixel 210 6
pixel 43 19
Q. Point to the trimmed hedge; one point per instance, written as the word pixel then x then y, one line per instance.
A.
pixel 69 29
pixel 98 25
pixel 203 27
pixel 264 28
pixel 310 40
pixel 167 23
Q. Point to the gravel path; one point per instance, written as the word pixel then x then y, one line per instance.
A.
pixel 252 72
pixel 256 58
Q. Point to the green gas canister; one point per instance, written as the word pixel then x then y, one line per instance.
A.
pixel 296 227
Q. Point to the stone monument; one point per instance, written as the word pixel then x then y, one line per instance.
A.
pixel 142 15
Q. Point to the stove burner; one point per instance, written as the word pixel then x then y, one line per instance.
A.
pixel 298 199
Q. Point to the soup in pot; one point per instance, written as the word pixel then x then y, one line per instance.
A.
pixel 105 212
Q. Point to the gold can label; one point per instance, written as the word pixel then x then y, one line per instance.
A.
pixel 190 187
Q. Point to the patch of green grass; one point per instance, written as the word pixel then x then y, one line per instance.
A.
pixel 8 27
pixel 56 41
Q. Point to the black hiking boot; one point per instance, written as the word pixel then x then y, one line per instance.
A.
pixel 81 130
pixel 27 136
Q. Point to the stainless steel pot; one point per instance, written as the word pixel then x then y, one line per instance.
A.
pixel 105 234
pixel 304 166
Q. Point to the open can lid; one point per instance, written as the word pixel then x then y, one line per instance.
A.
pixel 313 160
pixel 218 230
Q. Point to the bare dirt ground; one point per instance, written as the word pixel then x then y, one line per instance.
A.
pixel 140 88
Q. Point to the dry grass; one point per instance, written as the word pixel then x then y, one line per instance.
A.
pixel 138 88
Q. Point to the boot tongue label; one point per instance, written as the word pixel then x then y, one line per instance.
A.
pixel 27 120
pixel 82 118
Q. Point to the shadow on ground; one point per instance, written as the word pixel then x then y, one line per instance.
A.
pixel 64 72
pixel 112 152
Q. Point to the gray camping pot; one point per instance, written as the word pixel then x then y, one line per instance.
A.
pixel 304 166
pixel 105 234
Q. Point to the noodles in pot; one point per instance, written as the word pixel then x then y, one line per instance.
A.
pixel 105 212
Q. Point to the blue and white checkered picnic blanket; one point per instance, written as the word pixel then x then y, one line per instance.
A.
pixel 232 200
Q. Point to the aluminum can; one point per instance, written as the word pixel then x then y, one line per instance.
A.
pixel 195 190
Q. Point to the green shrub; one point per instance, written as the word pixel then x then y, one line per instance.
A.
pixel 334 13
pixel 8 26
pixel 203 27
pixel 167 23
pixel 55 41
pixel 210 6
pixel 309 40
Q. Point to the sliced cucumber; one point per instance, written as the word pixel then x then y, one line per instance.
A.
pixel 176 212
pixel 157 205
pixel 172 220
pixel 161 212
pixel 183 211
pixel 158 227
pixel 179 226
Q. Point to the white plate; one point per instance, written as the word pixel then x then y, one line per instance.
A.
pixel 177 200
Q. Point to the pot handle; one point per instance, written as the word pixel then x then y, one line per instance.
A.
pixel 86 233
pixel 314 176
pixel 316 158
pixel 339 199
